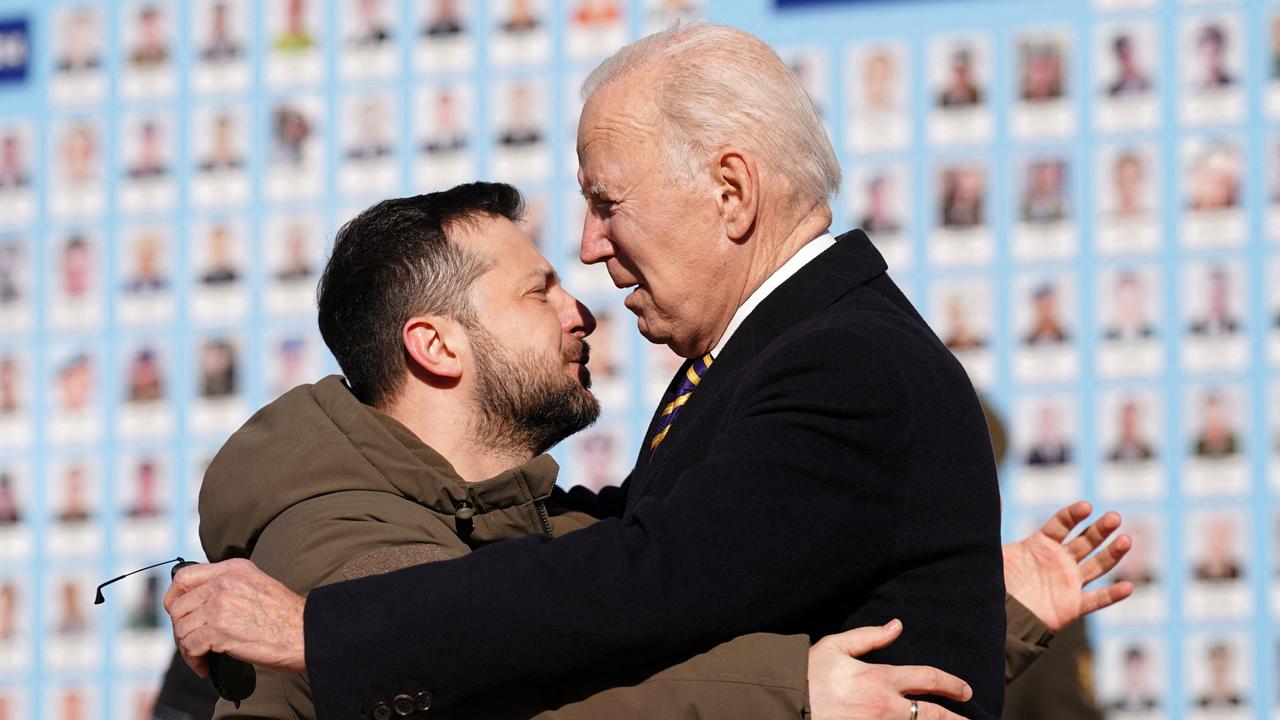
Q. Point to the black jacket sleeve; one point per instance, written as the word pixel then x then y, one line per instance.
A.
pixel 774 523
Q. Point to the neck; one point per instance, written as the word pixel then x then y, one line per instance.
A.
pixel 769 249
pixel 454 440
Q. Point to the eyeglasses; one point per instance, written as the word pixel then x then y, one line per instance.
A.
pixel 234 679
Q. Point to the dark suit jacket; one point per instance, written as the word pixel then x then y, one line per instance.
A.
pixel 831 470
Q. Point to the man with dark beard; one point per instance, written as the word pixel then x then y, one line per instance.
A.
pixel 464 361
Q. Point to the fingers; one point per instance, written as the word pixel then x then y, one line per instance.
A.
pixel 1066 519
pixel 1095 600
pixel 924 680
pixel 197 664
pixel 860 641
pixel 1093 536
pixel 929 711
pixel 1101 564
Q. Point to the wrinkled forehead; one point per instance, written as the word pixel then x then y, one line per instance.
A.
pixel 619 118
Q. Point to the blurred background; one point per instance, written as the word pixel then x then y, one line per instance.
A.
pixel 1082 197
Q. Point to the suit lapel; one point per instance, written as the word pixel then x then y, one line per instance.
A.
pixel 850 263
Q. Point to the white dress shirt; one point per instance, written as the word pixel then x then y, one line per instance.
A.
pixel 803 256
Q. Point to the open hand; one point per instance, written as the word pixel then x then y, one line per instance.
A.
pixel 1047 574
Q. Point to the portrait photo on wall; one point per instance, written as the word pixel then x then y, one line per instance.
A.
pixel 77 63
pixel 1128 307
pixel 17 173
pixel 962 235
pixel 220 156
pixel 294 257
pixel 595 28
pixel 1045 322
pixel 1215 542
pixel 963 316
pixel 15 512
pixel 15 625
pixel 71 622
pixel 1130 432
pixel 1126 79
pixel 1132 675
pixel 878 205
pixel 76 400
pixel 1216 463
pixel 442 120
pixel 1127 182
pixel 369 136
pixel 296 167
pixel 78 168
pixel 1144 566
pixel 1212 69
pixel 369 48
pixel 148 150
pixel 1212 176
pixel 1272 90
pixel 219 256
pixel 146 409
pixel 521 36
pixel 220 376
pixel 76 286
pixel 221 61
pixel 960 78
pixel 1043 107
pixel 879 110
pixel 146 281
pixel 1045 229
pixel 520 127
pixel 1213 303
pixel 75 505
pixel 141 642
pixel 72 699
pixel 295 42
pixel 1218 669
pixel 15 300
pixel 1046 445
pixel 16 398
pixel 294 357
pixel 444 39
pixel 596 457
pixel 146 37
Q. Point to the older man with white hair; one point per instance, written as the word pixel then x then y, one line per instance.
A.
pixel 819 463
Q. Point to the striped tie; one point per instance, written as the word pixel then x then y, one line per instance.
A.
pixel 687 384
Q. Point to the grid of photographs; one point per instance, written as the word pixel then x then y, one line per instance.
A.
pixel 170 180
pixel 1083 201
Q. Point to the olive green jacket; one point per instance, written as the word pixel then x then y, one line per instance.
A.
pixel 318 488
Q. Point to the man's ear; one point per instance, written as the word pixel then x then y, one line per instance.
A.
pixel 738 192
pixel 432 343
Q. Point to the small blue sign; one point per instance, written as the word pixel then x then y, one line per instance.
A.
pixel 15 50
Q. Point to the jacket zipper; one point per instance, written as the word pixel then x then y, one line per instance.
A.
pixel 543 517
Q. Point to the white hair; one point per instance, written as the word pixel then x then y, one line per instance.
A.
pixel 718 87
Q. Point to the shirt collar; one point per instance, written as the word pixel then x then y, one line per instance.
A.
pixel 802 257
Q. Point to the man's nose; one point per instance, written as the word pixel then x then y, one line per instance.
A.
pixel 579 320
pixel 595 246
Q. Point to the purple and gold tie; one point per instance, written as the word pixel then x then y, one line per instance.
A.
pixel 687 383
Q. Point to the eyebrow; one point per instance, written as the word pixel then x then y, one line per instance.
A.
pixel 595 189
pixel 543 273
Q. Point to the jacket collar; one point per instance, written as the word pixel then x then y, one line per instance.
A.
pixel 853 261
pixel 848 264
pixel 502 507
